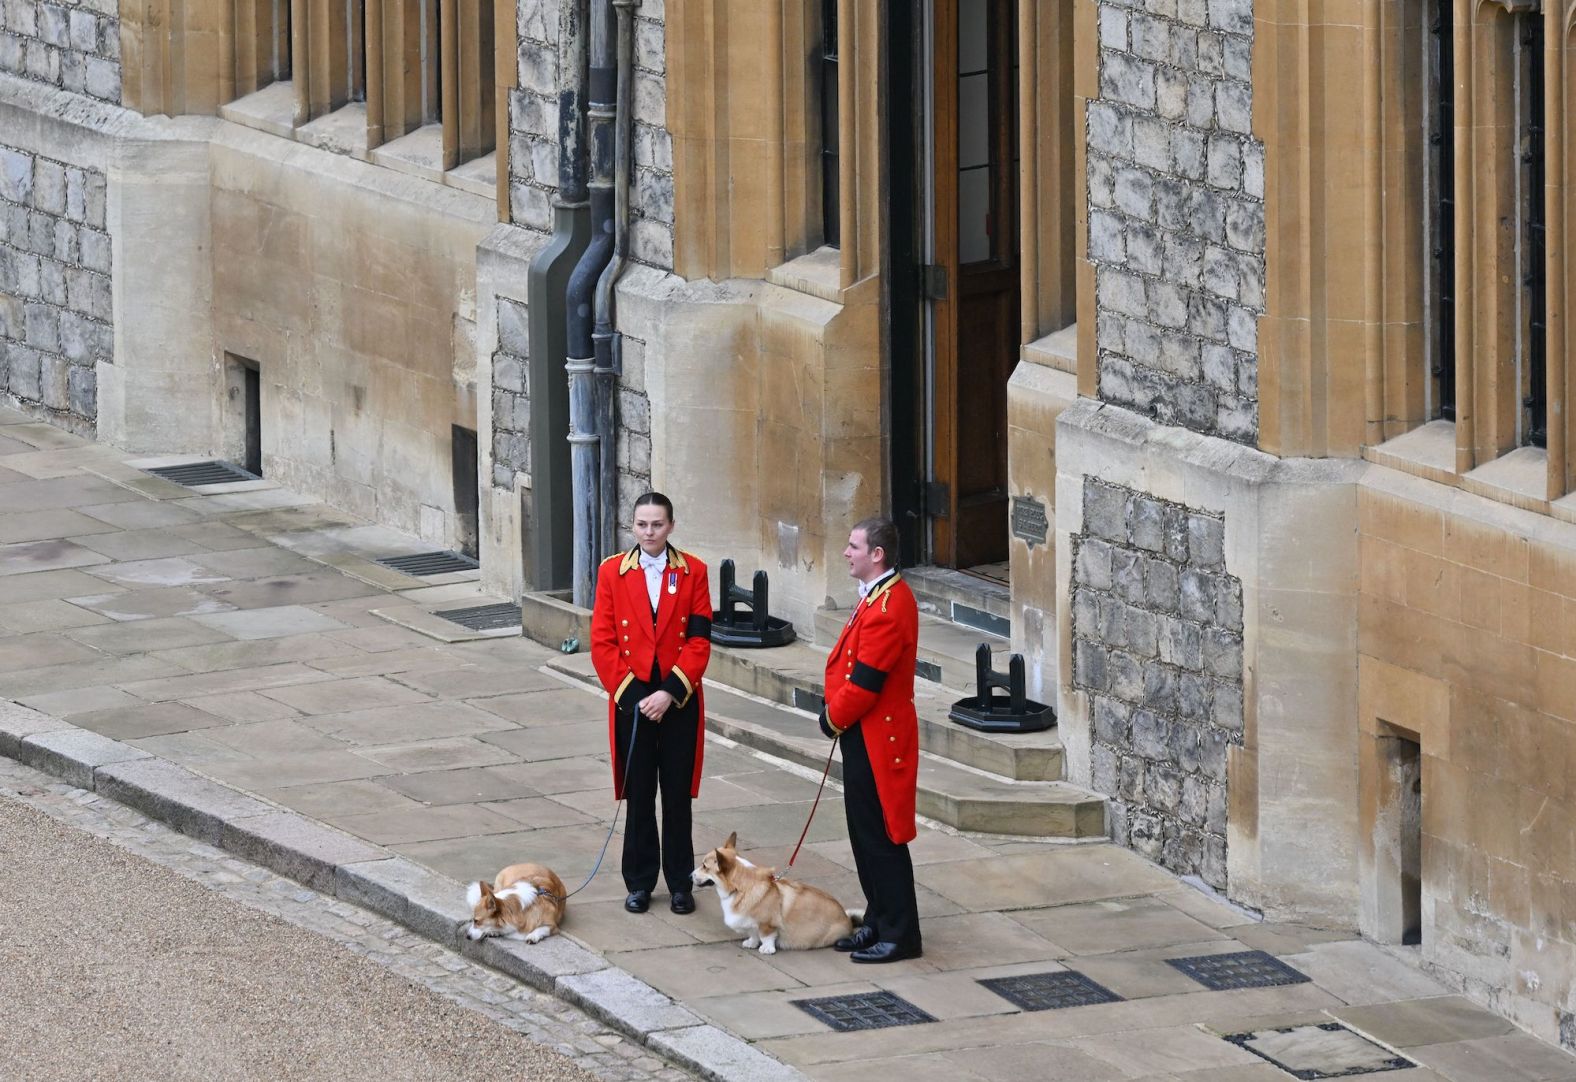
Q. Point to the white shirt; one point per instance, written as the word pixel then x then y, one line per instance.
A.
pixel 653 566
pixel 866 587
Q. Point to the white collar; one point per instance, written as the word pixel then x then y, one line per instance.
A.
pixel 866 587
pixel 654 563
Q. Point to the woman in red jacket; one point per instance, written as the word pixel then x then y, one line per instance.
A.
pixel 650 641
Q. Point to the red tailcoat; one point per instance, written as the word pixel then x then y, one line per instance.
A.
pixel 870 682
pixel 625 641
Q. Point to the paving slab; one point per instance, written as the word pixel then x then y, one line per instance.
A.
pixel 1514 1057
pixel 271 623
pixel 450 753
pixel 147 636
pixel 295 846
pixel 243 706
pixel 47 615
pixel 46 525
pixel 73 754
pixel 122 603
pixel 190 803
pixel 416 721
pixel 1435 1020
pixel 146 719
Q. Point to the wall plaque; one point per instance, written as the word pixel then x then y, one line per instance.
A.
pixel 1028 520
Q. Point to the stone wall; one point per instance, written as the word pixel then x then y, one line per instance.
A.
pixel 1157 645
pixel 55 298
pixel 73 46
pixel 634 444
pixel 533 131
pixel 511 395
pixel 1176 213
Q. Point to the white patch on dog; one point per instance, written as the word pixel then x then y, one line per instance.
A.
pixel 540 934
pixel 526 892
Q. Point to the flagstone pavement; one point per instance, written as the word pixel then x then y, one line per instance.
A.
pixel 246 633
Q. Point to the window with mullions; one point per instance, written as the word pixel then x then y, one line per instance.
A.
pixel 831 208
pixel 1440 327
pixel 1532 245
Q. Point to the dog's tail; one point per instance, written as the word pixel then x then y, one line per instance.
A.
pixel 857 916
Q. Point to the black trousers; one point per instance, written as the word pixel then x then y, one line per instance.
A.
pixel 886 872
pixel 664 759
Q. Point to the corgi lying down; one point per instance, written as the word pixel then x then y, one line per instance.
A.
pixel 774 912
pixel 525 901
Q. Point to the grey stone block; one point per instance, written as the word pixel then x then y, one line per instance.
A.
pixel 1103 771
pixel 1092 567
pixel 1197 595
pixel 1110 332
pixel 539 965
pixel 1213 870
pixel 74 754
pixel 1163 784
pixel 1090 665
pixel 1111 719
pixel 16 176
pixel 1127 576
pixel 1232 16
pixel 23 379
pixel 1224 163
pixel 53 26
pixel 1107 242
pixel 1127 676
pixel 1226 707
pixel 1160 688
pixel 52 390
pixel 296 847
pixel 1102 179
pixel 1086 612
pixel 1145 522
pixel 83 31
pixel 1160 586
pixel 1144 248
pixel 1142 632
pixel 1128 80
pixel 1206 540
pixel 95 249
pixel 18 722
pixel 1181 644
pixel 1113 28
pixel 514 328
pixel 1186 750
pixel 82 392
pixel 1171 94
pixel 1105 511
pixel 41 327
pixel 1135 194
pixel 1212 745
pixel 1193 696
pixel 94 188
pixel 1147 834
pixel 624 1002
pixel 1222 652
pixel 720 1056
pixel 1151 39
pixel 172 794
pixel 1113 622
pixel 427 903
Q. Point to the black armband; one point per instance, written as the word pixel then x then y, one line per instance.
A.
pixel 868 678
pixel 698 627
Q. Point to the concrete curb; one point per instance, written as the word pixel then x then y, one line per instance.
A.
pixel 345 867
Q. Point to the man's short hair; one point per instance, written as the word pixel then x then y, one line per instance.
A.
pixel 880 533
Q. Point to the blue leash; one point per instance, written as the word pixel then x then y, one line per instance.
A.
pixel 634 731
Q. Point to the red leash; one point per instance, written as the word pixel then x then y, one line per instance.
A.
pixel 817 804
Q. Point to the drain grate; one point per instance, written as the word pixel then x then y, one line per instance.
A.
pixel 865 1010
pixel 1247 969
pixel 193 474
pixel 485 617
pixel 1050 991
pixel 423 564
pixel 1320 1051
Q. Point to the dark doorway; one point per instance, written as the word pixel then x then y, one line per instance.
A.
pixel 467 487
pixel 252 397
pixel 958 316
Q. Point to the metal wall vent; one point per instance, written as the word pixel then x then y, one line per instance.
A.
pixel 423 564
pixel 864 1010
pixel 193 474
pixel 505 614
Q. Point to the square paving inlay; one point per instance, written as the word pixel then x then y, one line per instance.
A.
pixel 1050 991
pixel 865 1010
pixel 1328 1050
pixel 1246 969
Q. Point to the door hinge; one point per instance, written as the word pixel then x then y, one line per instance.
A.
pixel 933 281
pixel 935 499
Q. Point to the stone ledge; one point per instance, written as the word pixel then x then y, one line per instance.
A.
pixel 174 795
pixel 344 867
pixel 74 754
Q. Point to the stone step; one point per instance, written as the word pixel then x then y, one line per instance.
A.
pixel 950 793
pixel 946 650
pixel 793 675
pixel 962 598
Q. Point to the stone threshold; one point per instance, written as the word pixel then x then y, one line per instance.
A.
pixel 345 867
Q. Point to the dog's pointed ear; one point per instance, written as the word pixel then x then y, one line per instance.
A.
pixel 732 842
pixel 473 894
pixel 725 861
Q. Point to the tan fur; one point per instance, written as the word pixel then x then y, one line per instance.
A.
pixel 497 913
pixel 775 912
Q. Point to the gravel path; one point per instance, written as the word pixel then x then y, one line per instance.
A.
pixel 113 966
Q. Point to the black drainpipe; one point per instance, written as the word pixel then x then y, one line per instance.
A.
pixel 605 338
pixel 549 533
pixel 581 353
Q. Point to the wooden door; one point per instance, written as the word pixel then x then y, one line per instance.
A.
pixel 974 282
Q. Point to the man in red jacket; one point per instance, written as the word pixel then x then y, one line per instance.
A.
pixel 870 707
pixel 650 641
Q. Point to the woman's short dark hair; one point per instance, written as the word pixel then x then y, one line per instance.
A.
pixel 880 533
pixel 655 499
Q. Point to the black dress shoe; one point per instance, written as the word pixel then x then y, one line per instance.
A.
pixel 682 902
pixel 887 952
pixel 864 936
pixel 638 901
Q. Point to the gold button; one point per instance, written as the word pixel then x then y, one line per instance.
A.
pixel 845 678
pixel 889 717
pixel 626 638
pixel 626 653
pixel 891 740
pixel 626 623
pixel 897 762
